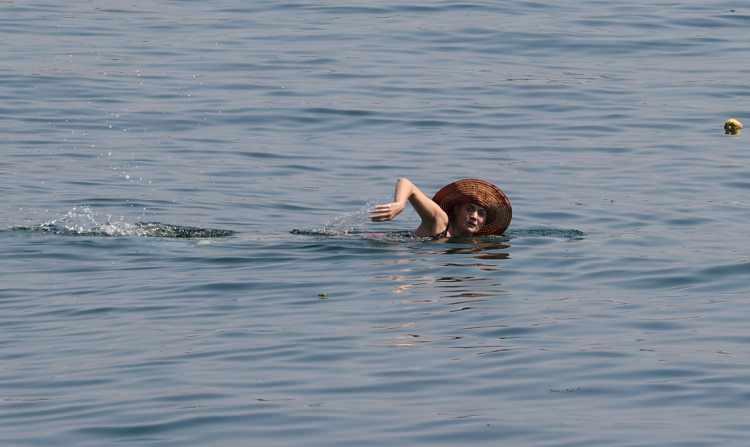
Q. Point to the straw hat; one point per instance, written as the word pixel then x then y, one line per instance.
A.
pixel 484 194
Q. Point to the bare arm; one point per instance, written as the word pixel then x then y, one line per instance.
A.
pixel 434 219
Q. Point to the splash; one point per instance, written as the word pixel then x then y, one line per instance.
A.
pixel 83 221
pixel 354 225
pixel 347 224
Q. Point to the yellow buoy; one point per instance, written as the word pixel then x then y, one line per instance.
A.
pixel 732 126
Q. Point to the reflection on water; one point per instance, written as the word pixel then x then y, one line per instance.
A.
pixel 437 281
pixel 456 256
pixel 480 249
pixel 479 246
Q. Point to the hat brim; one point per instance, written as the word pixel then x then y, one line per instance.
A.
pixel 484 194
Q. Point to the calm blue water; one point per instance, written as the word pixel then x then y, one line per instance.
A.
pixel 614 312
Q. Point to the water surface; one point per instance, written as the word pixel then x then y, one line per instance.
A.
pixel 613 312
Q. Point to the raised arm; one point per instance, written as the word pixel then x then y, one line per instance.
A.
pixel 434 219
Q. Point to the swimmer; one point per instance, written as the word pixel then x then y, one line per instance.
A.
pixel 464 208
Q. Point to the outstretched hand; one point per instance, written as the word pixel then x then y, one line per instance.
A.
pixel 386 211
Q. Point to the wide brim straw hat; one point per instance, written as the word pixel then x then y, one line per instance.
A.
pixel 482 193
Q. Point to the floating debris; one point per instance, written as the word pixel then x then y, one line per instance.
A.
pixel 733 126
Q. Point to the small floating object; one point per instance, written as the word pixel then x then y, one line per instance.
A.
pixel 323 295
pixel 732 126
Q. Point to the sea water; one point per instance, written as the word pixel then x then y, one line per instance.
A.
pixel 613 312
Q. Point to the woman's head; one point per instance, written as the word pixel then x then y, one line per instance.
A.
pixel 476 206
pixel 467 219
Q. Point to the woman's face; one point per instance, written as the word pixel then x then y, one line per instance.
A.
pixel 469 219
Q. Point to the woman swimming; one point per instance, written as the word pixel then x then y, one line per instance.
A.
pixel 464 208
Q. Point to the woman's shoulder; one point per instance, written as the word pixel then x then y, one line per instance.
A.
pixel 439 231
pixel 442 235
